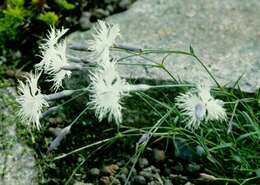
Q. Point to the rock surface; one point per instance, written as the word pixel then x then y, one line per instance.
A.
pixel 17 163
pixel 225 35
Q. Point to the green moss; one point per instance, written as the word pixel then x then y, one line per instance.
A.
pixel 13 17
pixel 65 5
pixel 15 3
pixel 49 18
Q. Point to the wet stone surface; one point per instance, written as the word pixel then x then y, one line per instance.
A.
pixel 225 35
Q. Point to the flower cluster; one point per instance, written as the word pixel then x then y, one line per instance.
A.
pixel 198 105
pixel 104 37
pixel 106 88
pixel 53 54
pixel 31 100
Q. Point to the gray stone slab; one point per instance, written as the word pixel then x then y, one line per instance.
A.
pixel 224 34
pixel 17 162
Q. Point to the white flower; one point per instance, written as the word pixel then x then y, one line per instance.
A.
pixel 31 101
pixel 199 105
pixel 107 90
pixel 58 61
pixel 48 47
pixel 104 37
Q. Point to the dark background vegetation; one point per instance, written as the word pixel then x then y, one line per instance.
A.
pixel 24 22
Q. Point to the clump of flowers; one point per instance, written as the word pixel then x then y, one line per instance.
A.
pixel 31 100
pixel 58 61
pixel 54 57
pixel 104 37
pixel 199 105
pixel 107 90
pixel 47 48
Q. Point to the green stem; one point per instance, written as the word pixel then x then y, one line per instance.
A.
pixel 148 51
pixel 173 85
pixel 227 180
pixel 168 72
pixel 205 67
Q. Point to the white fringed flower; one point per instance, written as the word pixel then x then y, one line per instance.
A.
pixel 31 101
pixel 58 61
pixel 104 37
pixel 199 105
pixel 107 90
pixel 48 47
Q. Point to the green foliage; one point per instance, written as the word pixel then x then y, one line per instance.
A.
pixel 19 19
pixel 13 17
pixel 49 18
pixel 15 3
pixel 65 5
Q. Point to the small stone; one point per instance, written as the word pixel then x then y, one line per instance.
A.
pixel 158 155
pixel 134 172
pixel 110 169
pixel 109 180
pixel 114 181
pixel 200 151
pixel 55 131
pixel 167 182
pixel 124 171
pixel 139 180
pixel 99 13
pixel 110 8
pixel 143 162
pixel 184 151
pixel 105 180
pixel 167 171
pixel 188 183
pixel 56 120
pixel 124 4
pixel 193 168
pixel 179 178
pixel 147 175
pixel 94 172
pixel 153 169
pixel 170 161
pixel 82 183
pixel 84 21
pixel 120 163
pixel 122 178
pixel 178 168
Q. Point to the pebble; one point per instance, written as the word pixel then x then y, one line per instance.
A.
pixel 82 183
pixel 167 171
pixel 134 172
pixel 167 182
pixel 184 151
pixel 147 175
pixel 139 180
pixel 188 183
pixel 143 162
pixel 110 169
pixel 109 180
pixel 124 171
pixel 178 168
pixel 200 151
pixel 124 4
pixel 94 172
pixel 193 168
pixel 84 21
pixel 122 178
pixel 152 169
pixel 105 180
pixel 158 155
